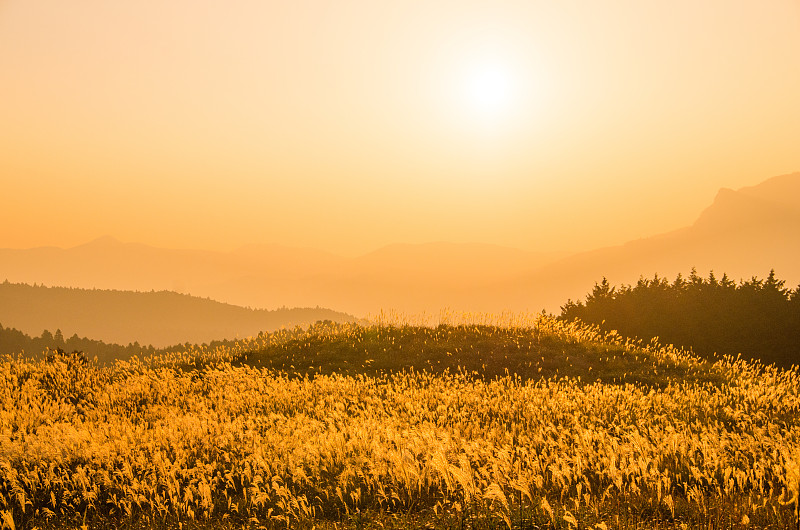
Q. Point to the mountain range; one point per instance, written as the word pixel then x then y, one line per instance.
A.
pixel 743 233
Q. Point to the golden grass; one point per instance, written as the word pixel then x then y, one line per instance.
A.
pixel 196 436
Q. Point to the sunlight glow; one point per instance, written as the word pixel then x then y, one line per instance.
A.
pixel 488 91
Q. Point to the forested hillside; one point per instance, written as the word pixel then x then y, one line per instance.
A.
pixel 160 318
pixel 759 318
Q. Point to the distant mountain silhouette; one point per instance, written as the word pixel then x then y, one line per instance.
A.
pixel 744 233
pixel 403 277
pixel 151 318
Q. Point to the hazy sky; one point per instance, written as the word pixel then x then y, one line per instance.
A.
pixel 348 125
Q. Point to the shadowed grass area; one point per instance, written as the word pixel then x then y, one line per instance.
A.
pixel 486 352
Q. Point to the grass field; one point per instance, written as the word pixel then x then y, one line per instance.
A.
pixel 527 423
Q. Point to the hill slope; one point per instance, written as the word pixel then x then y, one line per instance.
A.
pixel 158 318
pixel 743 233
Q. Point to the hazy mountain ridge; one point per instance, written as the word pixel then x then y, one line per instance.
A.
pixel 743 233
pixel 266 275
pixel 742 210
pixel 157 318
pixel 784 189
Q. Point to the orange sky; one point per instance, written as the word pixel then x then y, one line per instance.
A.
pixel 349 125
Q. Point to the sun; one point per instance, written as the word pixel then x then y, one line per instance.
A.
pixel 486 95
pixel 488 90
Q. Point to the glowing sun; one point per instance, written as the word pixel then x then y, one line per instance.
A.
pixel 488 90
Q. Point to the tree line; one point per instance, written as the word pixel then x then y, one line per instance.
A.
pixel 13 341
pixel 756 318
pixel 50 345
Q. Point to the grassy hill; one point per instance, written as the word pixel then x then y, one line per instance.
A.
pixel 530 424
pixel 483 351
